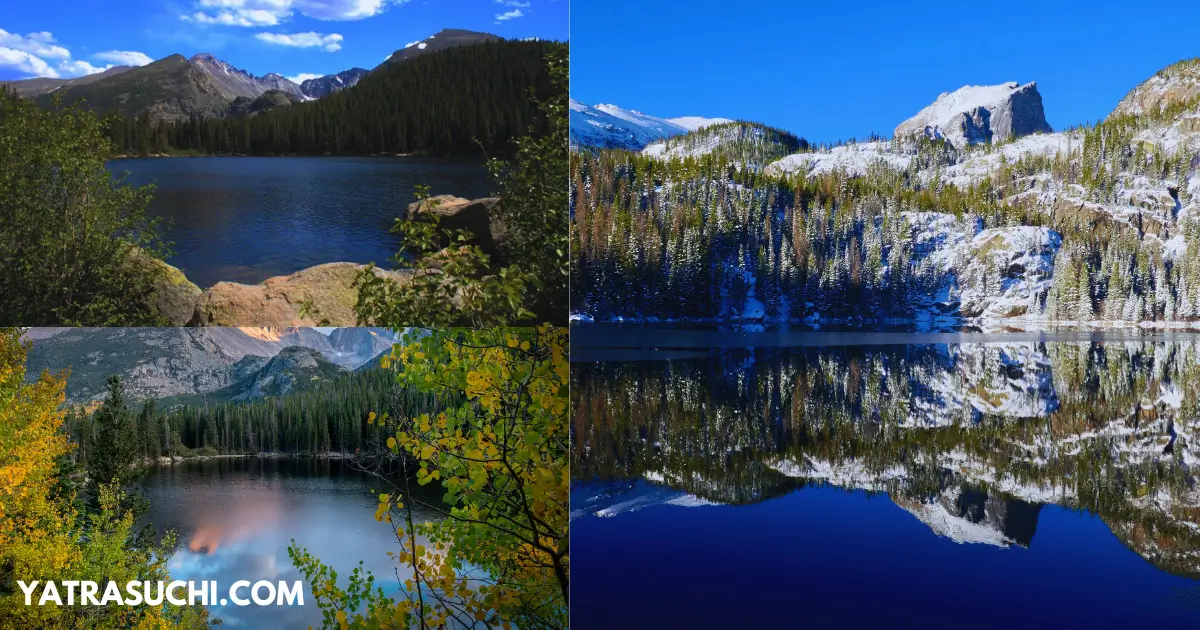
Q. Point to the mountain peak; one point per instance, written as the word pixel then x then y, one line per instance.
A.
pixel 975 114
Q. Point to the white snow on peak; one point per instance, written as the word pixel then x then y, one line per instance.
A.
pixel 693 123
pixel 613 127
pixel 422 46
pixel 964 99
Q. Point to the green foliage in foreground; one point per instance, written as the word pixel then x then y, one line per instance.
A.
pixel 76 245
pixel 459 284
pixel 500 556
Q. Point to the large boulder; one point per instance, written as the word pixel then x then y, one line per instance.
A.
pixel 977 114
pixel 476 216
pixel 174 295
pixel 323 295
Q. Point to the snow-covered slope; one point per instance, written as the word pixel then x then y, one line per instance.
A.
pixel 977 114
pixel 854 159
pixel 610 127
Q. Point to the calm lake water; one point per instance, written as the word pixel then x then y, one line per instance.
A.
pixel 236 517
pixel 245 219
pixel 986 481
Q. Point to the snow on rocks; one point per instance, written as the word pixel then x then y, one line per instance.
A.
pixel 854 159
pixel 980 114
pixel 1007 271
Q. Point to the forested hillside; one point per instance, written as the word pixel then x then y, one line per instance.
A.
pixel 332 416
pixel 1096 223
pixel 464 100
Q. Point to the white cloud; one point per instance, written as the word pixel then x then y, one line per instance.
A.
pixel 411 44
pixel 41 45
pixel 509 15
pixel 25 63
pixel 514 3
pixel 40 55
pixel 274 12
pixel 328 43
pixel 124 57
pixel 79 68
pixel 303 76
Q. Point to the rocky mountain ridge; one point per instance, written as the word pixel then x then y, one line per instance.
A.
pixel 165 362
pixel 328 84
pixel 178 88
pixel 610 127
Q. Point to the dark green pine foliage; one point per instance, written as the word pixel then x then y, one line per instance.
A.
pixel 740 142
pixel 113 456
pixel 331 417
pixel 468 100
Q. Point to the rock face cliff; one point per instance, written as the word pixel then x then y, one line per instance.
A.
pixel 1176 83
pixel 979 114
pixel 222 363
pixel 326 85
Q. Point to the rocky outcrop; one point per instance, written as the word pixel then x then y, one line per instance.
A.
pixel 328 84
pixel 323 295
pixel 978 114
pixel 1177 83
pixel 476 216
pixel 1007 272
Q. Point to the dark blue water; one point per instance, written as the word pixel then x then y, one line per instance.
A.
pixel 1004 482
pixel 245 219
pixel 826 558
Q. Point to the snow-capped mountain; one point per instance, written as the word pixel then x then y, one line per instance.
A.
pixel 328 84
pixel 234 82
pixel 610 127
pixel 977 114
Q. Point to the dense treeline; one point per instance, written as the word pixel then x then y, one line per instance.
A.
pixel 706 238
pixel 331 417
pixel 711 237
pixel 463 100
pixel 911 421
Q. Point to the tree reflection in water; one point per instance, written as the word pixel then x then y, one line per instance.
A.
pixel 971 439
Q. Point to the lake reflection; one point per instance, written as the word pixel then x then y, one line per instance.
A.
pixel 236 518
pixel 1003 484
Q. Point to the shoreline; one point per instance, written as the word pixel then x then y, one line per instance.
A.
pixel 165 460
pixel 285 155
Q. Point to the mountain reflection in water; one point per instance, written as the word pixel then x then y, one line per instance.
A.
pixel 974 441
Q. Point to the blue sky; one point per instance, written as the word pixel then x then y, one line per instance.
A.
pixel 291 37
pixel 842 69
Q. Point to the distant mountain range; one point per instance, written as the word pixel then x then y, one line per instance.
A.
pixel 610 127
pixel 182 363
pixel 178 88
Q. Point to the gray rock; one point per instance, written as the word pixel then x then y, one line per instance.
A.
pixel 978 114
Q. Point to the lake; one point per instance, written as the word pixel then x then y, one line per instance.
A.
pixel 245 219
pixel 236 517
pixel 983 480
